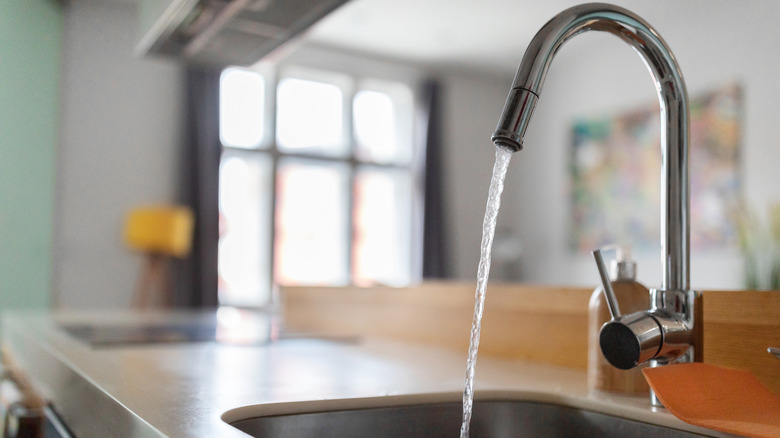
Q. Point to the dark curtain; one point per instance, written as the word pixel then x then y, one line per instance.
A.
pixel 200 188
pixel 435 260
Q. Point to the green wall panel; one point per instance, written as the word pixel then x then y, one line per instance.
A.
pixel 30 56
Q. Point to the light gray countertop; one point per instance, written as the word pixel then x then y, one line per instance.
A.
pixel 183 389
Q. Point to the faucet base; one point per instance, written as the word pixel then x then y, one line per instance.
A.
pixel 680 311
pixel 687 306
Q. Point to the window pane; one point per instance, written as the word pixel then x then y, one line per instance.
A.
pixel 241 102
pixel 245 214
pixel 382 245
pixel 375 126
pixel 309 117
pixel 382 124
pixel 311 223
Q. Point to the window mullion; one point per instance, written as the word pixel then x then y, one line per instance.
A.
pixel 352 146
pixel 273 80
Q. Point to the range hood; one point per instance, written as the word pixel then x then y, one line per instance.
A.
pixel 224 32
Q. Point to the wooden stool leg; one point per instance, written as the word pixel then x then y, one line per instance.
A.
pixel 152 272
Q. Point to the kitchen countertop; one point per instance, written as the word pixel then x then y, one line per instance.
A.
pixel 179 389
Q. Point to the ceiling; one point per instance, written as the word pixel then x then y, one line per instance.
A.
pixel 486 34
pixel 437 32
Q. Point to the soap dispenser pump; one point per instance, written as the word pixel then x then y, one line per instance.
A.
pixel 633 297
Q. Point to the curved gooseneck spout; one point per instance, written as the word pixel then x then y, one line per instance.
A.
pixel 670 329
pixel 672 94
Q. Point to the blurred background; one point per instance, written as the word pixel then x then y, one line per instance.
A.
pixel 359 152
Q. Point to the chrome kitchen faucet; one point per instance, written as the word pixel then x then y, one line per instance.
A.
pixel 670 329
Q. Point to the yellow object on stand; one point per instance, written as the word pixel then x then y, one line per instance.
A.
pixel 160 232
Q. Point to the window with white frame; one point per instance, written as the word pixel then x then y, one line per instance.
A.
pixel 318 183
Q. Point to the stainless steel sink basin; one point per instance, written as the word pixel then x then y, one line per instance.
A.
pixel 491 419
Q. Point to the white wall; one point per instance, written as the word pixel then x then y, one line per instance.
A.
pixel 715 43
pixel 119 142
pixel 471 105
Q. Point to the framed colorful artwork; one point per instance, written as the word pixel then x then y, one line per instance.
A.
pixel 615 169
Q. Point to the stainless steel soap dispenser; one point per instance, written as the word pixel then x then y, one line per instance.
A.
pixel 633 297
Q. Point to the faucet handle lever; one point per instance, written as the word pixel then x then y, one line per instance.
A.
pixel 626 341
pixel 612 303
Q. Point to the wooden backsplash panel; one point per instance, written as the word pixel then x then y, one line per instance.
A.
pixel 738 328
pixel 536 323
pixel 546 324
pixel 431 315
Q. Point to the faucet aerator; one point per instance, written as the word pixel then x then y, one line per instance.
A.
pixel 507 140
pixel 509 145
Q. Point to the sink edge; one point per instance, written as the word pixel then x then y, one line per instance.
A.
pixel 633 408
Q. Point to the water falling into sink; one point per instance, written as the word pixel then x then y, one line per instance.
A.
pixel 488 231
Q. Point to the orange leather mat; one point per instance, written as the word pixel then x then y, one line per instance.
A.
pixel 718 398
